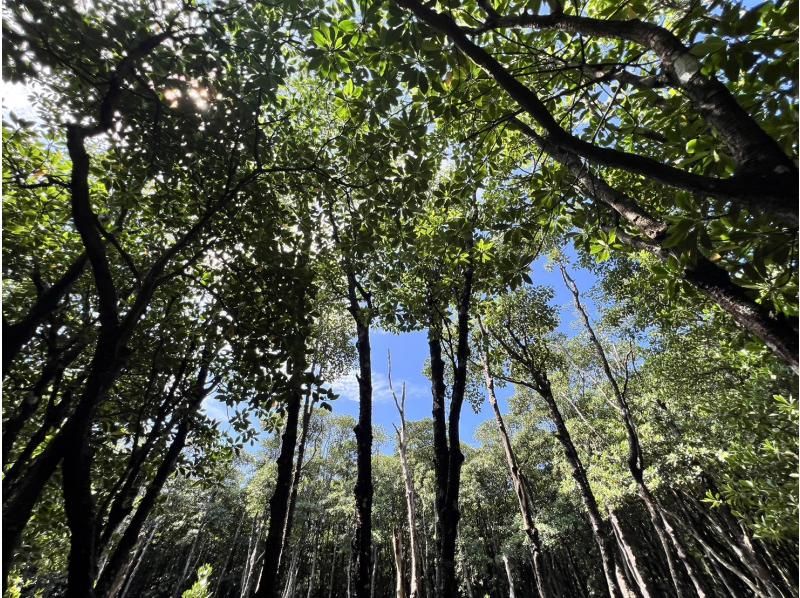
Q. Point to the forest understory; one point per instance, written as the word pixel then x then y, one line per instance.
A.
pixel 573 223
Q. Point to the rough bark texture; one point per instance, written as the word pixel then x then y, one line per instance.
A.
pixel 448 457
pixel 362 537
pixel 269 582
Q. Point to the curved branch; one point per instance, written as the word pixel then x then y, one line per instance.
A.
pixel 775 194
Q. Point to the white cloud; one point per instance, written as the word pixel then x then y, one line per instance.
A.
pixel 215 409
pixel 347 388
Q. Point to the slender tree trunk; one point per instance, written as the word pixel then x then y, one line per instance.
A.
pixel 188 564
pixel 374 572
pixel 630 558
pixel 268 584
pixel 250 556
pixel 468 583
pixel 712 552
pixel 362 537
pixel 308 408
pixel 581 580
pixel 18 334
pixel 598 526
pixel 291 579
pixel 332 576
pixel 512 593
pixel 127 580
pixel 122 496
pixel 119 556
pixel 517 479
pixel 789 585
pixel 399 565
pixel 227 563
pixel 636 458
pixel 313 574
pixel 416 577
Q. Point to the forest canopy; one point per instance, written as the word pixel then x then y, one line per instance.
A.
pixel 224 203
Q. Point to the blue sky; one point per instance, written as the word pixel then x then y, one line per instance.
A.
pixel 409 352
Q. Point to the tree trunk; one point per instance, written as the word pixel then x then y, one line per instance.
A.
pixel 119 557
pixel 517 479
pixel 415 551
pixel 599 527
pixel 448 457
pixel 227 563
pixel 308 408
pixel 127 580
pixel 400 574
pixel 313 573
pixel 512 593
pixel 250 556
pixel 636 457
pixel 630 558
pixel 122 496
pixel 18 334
pixel 374 572
pixel 188 564
pixel 362 537
pixel 332 576
pixel 268 585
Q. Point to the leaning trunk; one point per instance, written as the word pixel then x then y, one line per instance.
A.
pixel 599 528
pixel 518 482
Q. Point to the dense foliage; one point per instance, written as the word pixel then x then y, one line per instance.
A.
pixel 215 204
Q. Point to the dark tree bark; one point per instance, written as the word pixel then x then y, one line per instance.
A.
pixel 448 457
pixel 269 583
pixel 308 408
pixel 119 557
pixel 58 360
pixel 359 304
pixel 753 150
pixel 774 191
pixel 18 334
pixel 599 527
pixel 362 538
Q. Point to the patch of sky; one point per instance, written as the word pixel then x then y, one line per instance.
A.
pixel 409 352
